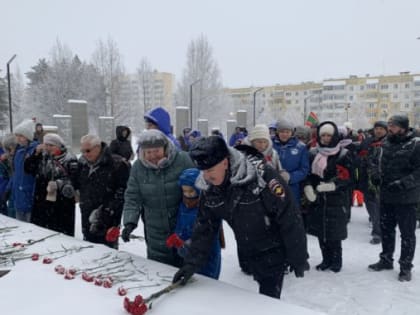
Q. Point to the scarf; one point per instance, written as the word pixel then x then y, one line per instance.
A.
pixel 320 161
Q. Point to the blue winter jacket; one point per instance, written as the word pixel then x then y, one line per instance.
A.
pixel 184 227
pixel 160 117
pixel 294 158
pixel 23 184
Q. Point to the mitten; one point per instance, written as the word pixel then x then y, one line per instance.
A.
pixel 309 192
pixel 325 187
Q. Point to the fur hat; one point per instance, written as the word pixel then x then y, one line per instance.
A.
pixel 53 139
pixel 284 125
pixel 26 128
pixel 207 152
pixel 400 121
pixel 327 129
pixel 259 132
pixel 152 138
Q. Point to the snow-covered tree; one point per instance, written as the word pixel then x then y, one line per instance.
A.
pixel 202 74
pixel 18 95
pixel 3 105
pixel 146 84
pixel 108 60
pixel 53 82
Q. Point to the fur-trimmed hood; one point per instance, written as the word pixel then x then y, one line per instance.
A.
pixel 242 171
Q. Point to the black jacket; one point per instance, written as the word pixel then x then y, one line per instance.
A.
pixel 259 207
pixel 121 145
pixel 401 162
pixel 327 216
pixel 102 184
pixel 59 215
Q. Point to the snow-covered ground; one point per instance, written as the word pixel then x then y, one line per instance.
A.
pixel 354 290
pixel 34 288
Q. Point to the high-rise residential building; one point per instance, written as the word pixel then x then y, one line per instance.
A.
pixel 360 100
pixel 140 93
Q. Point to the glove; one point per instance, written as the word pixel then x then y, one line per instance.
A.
pixel 325 187
pixel 394 186
pixel 184 274
pixel 309 192
pixel 128 228
pixel 174 241
pixel 99 220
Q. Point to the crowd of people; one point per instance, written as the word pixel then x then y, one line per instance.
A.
pixel 272 185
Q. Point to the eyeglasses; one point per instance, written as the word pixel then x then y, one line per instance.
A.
pixel 83 151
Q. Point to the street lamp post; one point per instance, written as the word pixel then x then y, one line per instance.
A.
pixel 10 92
pixel 191 102
pixel 255 96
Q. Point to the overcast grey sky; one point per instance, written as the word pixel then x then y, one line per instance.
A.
pixel 255 43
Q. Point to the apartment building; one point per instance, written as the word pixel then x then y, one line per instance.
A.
pixel 141 93
pixel 360 100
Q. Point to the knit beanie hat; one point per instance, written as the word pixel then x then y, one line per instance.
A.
pixel 152 138
pixel 188 178
pixel 380 123
pixel 53 139
pixel 283 124
pixel 327 129
pixel 9 142
pixel 26 128
pixel 259 132
pixel 348 125
pixel 400 121
pixel 207 152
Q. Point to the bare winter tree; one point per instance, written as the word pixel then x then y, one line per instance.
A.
pixel 108 60
pixel 146 84
pixel 202 76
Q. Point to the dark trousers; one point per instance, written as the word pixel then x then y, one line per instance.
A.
pixel 373 208
pixel 405 217
pixel 332 252
pixel 271 286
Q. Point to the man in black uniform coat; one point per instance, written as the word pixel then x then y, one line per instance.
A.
pixel 256 202
pixel 399 178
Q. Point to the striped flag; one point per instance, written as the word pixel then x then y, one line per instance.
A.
pixel 312 119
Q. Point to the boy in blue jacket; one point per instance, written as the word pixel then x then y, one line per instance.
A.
pixel 187 214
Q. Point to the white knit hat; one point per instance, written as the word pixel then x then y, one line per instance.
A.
pixel 348 125
pixel 259 132
pixel 53 139
pixel 327 129
pixel 26 128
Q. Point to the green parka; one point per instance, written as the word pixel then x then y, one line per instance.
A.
pixel 154 195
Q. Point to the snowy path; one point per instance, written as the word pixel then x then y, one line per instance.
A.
pixel 354 290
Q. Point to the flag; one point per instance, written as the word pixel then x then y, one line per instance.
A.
pixel 311 120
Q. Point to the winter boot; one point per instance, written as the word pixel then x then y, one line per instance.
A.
pixel 381 265
pixel 326 262
pixel 336 258
pixel 404 275
pixel 375 240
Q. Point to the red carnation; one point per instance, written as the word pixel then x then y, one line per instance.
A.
pixel 35 256
pixel 112 234
pixel 174 241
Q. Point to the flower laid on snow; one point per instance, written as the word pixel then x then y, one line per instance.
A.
pixel 140 305
pixel 35 256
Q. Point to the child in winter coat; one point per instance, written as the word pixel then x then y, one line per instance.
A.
pixel 187 215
